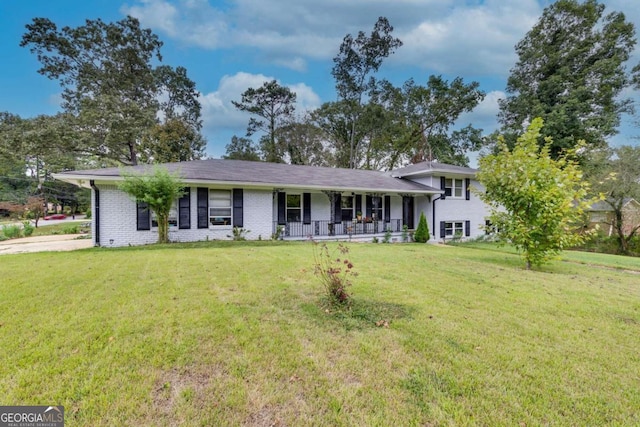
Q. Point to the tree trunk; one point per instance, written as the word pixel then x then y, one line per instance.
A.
pixel 623 246
pixel 163 229
pixel 133 154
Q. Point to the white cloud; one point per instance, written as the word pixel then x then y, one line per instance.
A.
pixel 287 32
pixel 479 40
pixel 158 14
pixel 485 115
pixel 219 113
pixel 217 110
pixel 306 98
pixel 192 21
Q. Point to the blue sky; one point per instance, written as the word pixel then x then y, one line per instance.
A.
pixel 228 46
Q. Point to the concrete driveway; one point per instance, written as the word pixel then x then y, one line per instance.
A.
pixel 56 242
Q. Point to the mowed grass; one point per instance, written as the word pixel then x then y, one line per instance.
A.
pixel 238 334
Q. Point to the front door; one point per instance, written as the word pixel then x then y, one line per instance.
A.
pixel 407 211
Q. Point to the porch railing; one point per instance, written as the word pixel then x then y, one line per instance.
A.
pixel 330 228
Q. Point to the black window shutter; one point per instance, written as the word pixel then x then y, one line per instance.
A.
pixel 337 208
pixel 282 208
pixel 203 207
pixel 467 228
pixel 467 183
pixel 358 203
pixel 442 182
pixel 143 221
pixel 369 204
pixel 184 209
pixel 442 232
pixel 387 208
pixel 405 212
pixel 238 201
pixel 306 208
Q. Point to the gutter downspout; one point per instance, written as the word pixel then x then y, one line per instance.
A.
pixel 433 214
pixel 96 214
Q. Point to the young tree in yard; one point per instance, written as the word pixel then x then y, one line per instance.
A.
pixel 422 232
pixel 571 72
pixel 35 206
pixel 158 190
pixel 273 103
pixel 615 173
pixel 536 201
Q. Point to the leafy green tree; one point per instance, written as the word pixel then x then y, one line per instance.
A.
pixel 422 232
pixel 273 105
pixel 535 201
pixel 241 149
pixel 615 173
pixel 423 117
pixel 159 190
pixel 354 68
pixel 34 206
pixel 30 151
pixel 571 73
pixel 304 143
pixel 15 186
pixel 333 119
pixel 110 84
pixel 172 141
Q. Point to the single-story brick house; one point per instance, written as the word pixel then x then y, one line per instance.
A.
pixel 291 201
pixel 601 214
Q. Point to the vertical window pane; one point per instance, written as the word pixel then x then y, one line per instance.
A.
pixel 294 207
pixel 220 207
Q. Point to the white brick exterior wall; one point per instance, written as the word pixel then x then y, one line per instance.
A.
pixel 118 220
pixel 118 216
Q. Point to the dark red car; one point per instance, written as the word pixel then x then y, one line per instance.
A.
pixel 55 216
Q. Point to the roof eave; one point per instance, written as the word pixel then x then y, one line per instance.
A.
pixel 84 181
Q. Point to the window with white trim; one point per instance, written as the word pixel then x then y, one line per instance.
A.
pixel 347 208
pixel 173 216
pixel 376 208
pixel 451 229
pixel 220 207
pixel 294 207
pixel 455 187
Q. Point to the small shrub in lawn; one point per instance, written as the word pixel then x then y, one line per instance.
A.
pixel 88 214
pixel 27 228
pixel 334 270
pixel 11 231
pixel 422 232
pixel 387 236
pixel 238 233
pixel 70 229
pixel 405 233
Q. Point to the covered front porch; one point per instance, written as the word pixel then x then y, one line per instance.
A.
pixel 345 229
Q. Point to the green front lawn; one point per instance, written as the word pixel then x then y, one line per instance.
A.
pixel 234 333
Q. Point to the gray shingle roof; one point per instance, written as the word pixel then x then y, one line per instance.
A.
pixel 431 168
pixel 261 174
pixel 601 205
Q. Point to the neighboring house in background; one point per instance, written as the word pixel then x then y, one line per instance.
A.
pixel 290 201
pixel 601 214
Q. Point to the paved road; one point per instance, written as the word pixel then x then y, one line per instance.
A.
pixel 57 242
